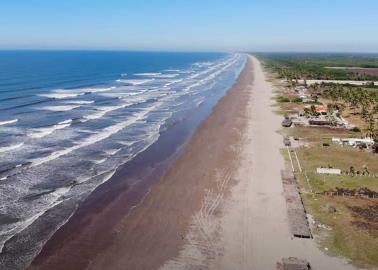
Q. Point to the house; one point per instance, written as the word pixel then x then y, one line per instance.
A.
pixel 321 109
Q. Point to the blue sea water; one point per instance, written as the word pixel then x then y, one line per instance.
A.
pixel 69 119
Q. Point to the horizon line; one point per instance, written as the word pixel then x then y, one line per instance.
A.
pixel 185 51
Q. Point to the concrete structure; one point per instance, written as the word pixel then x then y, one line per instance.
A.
pixel 354 141
pixel 328 171
pixel 320 122
pixel 293 263
pixel 295 208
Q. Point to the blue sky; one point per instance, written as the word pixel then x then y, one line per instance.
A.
pixel 192 25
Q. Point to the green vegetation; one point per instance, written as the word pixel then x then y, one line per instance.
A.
pixel 282 99
pixel 339 233
pixel 315 66
pixel 297 100
pixel 344 226
pixel 360 100
pixel 340 237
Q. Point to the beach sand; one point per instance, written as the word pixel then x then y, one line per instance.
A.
pixel 219 206
pixel 251 230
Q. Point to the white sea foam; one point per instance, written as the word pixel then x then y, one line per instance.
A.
pixel 148 74
pixel 10 147
pixel 172 70
pixel 135 82
pixel 167 76
pixel 7 122
pixel 60 108
pixel 81 102
pixel 56 197
pixel 70 93
pixel 171 82
pixel 38 133
pixel 158 75
pixel 219 69
pixel 203 64
pixel 104 134
pixel 60 94
pixel 123 94
pixel 100 161
pixel 21 225
pixel 112 151
pixel 98 90
pixel 199 102
pixel 100 112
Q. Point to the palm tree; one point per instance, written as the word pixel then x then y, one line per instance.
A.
pixel 371 132
pixel 313 111
pixel 329 111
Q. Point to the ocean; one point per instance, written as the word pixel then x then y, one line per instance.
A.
pixel 70 119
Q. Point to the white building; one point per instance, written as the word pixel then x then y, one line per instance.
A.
pixel 328 171
pixel 354 141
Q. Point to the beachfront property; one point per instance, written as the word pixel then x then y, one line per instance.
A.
pixel 319 117
pixel 355 142
pixel 341 82
pixel 303 93
pixel 341 196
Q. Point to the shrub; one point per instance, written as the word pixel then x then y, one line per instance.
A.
pixel 297 100
pixel 355 129
pixel 282 99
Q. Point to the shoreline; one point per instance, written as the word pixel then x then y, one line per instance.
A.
pixel 109 200
pixel 220 205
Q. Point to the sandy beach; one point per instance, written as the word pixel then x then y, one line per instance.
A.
pixel 252 231
pixel 219 206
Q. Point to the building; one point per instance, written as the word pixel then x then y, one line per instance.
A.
pixel 328 171
pixel 355 142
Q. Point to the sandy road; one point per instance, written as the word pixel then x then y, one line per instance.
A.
pixel 255 229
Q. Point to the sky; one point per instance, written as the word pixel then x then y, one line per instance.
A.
pixel 191 25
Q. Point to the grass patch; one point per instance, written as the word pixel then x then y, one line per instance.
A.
pixel 335 232
pixel 345 238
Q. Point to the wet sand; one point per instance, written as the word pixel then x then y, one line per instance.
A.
pixel 219 206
